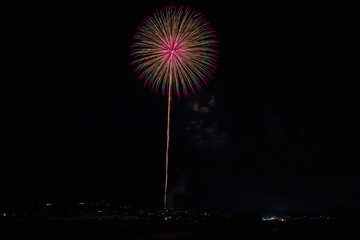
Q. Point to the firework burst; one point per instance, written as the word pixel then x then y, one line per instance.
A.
pixel 174 51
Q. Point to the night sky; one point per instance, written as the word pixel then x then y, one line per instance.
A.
pixel 271 131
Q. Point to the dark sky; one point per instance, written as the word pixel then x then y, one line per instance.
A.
pixel 271 131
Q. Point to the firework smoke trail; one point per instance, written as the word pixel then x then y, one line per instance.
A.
pixel 174 51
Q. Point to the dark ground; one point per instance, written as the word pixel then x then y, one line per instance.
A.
pixel 165 230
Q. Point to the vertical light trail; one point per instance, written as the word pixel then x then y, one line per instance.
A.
pixel 167 142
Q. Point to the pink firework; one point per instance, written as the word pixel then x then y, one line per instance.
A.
pixel 174 50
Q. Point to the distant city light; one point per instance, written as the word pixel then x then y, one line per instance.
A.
pixel 269 218
pixel 273 218
pixel 168 215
